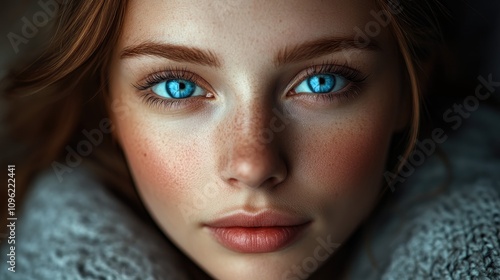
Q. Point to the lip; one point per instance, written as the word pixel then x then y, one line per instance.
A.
pixel 263 232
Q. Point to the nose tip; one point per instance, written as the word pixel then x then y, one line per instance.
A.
pixel 259 173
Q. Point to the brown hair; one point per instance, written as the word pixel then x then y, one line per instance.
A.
pixel 417 29
pixel 62 91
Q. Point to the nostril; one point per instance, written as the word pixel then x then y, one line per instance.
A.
pixel 232 181
pixel 267 183
pixel 273 181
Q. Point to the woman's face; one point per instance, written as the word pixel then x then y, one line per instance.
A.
pixel 256 131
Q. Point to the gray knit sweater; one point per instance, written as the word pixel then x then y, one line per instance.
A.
pixel 77 230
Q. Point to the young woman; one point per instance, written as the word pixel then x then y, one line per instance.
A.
pixel 259 135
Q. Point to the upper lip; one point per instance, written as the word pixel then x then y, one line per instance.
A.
pixel 268 218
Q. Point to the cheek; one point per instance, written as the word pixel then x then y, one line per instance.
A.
pixel 347 157
pixel 341 171
pixel 165 170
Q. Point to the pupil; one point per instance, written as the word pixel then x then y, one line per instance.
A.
pixel 182 86
pixel 321 81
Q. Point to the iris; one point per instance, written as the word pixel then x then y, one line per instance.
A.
pixel 321 83
pixel 175 88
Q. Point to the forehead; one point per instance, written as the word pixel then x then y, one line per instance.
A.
pixel 234 26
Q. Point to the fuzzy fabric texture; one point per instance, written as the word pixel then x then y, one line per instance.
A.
pixel 453 230
pixel 77 230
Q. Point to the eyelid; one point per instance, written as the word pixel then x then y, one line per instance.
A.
pixel 349 73
pixel 162 75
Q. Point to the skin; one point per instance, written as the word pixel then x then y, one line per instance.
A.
pixel 194 163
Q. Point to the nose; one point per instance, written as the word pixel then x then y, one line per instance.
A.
pixel 251 156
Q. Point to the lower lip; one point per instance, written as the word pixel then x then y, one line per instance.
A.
pixel 258 239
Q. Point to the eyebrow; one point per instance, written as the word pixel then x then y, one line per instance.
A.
pixel 172 52
pixel 299 52
pixel 320 47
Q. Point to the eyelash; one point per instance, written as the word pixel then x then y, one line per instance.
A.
pixel 354 77
pixel 163 75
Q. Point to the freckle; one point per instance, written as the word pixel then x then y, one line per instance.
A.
pixel 145 155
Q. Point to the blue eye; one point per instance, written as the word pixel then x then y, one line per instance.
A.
pixel 177 89
pixel 322 83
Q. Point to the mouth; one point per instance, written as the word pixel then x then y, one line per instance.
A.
pixel 265 232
